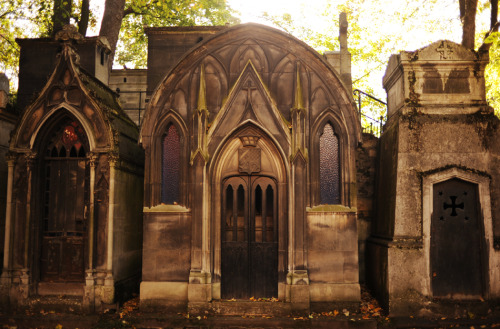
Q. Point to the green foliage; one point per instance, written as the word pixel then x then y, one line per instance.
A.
pixel 492 73
pixel 377 29
pixel 33 19
pixel 132 44
pixel 26 19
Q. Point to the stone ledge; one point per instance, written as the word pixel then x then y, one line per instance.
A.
pixel 172 291
pixel 331 208
pixel 166 208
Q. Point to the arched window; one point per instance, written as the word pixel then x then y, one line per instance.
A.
pixel 329 166
pixel 171 149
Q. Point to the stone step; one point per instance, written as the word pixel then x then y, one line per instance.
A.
pixel 243 308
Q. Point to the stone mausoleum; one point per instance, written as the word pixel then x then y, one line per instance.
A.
pixel 235 166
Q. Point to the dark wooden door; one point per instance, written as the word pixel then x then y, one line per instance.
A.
pixel 64 210
pixel 456 241
pixel 249 237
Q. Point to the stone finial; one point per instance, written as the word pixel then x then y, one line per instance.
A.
pixel 343 31
pixel 4 90
pixel 69 32
pixel 345 56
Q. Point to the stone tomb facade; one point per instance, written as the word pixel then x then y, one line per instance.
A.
pixel 438 182
pixel 257 179
pixel 250 176
pixel 74 192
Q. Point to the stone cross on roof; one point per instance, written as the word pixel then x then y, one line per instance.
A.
pixel 444 50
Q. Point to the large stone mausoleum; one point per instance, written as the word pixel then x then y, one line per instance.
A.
pixel 235 166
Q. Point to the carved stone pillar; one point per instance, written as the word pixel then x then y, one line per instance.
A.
pixel 89 294
pixel 199 287
pixel 109 289
pixel 5 280
pixel 298 278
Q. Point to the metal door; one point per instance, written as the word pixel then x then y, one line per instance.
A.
pixel 456 241
pixel 249 237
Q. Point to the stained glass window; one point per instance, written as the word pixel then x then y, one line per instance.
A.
pixel 329 168
pixel 67 141
pixel 170 166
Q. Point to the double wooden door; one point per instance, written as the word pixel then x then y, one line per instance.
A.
pixel 65 199
pixel 249 265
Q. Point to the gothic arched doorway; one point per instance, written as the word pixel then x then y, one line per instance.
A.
pixel 249 248
pixel 64 203
pixel 250 212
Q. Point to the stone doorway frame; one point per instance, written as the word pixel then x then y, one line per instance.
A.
pixel 483 187
pixel 227 148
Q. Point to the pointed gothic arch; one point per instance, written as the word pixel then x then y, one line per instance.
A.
pixel 329 118
pixel 60 201
pixel 228 165
pixel 154 193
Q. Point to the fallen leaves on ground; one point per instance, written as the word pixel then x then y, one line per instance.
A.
pixel 253 299
pixel 129 307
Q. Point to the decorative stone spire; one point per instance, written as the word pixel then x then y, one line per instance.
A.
pixel 202 92
pixel 298 101
pixel 200 119
pixel 345 56
pixel 298 119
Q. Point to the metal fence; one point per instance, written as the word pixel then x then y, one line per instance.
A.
pixel 368 123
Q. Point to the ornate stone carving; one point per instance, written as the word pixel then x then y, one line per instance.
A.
pixel 249 160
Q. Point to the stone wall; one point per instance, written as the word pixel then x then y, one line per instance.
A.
pixel 127 227
pixel 332 255
pixel 131 85
pixel 366 170
pixel 166 256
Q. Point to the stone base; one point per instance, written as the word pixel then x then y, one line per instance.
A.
pixel 199 292
pixel 335 292
pixel 159 295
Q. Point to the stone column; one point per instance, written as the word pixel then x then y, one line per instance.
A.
pixel 89 296
pixel 298 278
pixel 200 279
pixel 25 272
pixel 8 215
pixel 109 282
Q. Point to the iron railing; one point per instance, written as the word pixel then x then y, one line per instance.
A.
pixel 369 124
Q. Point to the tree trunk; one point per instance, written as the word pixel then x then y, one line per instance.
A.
pixel 83 23
pixel 494 15
pixel 62 14
pixel 468 16
pixel 111 24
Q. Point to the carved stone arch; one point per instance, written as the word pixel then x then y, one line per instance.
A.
pixel 59 199
pixel 224 164
pixel 153 192
pixel 329 116
pixel 319 101
pixel 490 263
pixel 282 84
pixel 54 114
pixel 179 101
pixel 249 50
pixel 216 82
